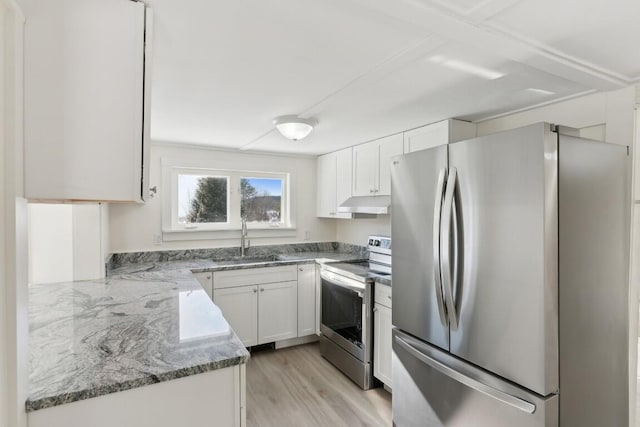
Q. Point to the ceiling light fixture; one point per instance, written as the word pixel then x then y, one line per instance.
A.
pixel 293 127
pixel 466 67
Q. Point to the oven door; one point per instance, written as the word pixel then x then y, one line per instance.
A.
pixel 345 314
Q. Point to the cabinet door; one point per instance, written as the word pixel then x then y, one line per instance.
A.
pixel 240 307
pixel 306 299
pixel 390 146
pixel 426 137
pixel 344 177
pixel 382 344
pixel 365 169
pixel 206 280
pixel 436 134
pixel 318 299
pixel 326 186
pixel 84 115
pixel 277 312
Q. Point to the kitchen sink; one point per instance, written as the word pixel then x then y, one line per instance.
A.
pixel 249 259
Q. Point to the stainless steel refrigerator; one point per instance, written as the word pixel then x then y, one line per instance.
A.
pixel 510 282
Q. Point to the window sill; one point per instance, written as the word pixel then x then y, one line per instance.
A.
pixel 202 234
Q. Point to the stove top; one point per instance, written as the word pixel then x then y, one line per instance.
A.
pixel 378 264
pixel 363 271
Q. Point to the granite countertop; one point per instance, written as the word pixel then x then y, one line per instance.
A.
pixel 385 280
pixel 236 263
pixel 91 338
pixel 147 322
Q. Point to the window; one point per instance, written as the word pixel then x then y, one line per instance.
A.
pixel 209 200
pixel 203 199
pixel 261 200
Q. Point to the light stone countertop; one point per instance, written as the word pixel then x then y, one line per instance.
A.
pixel 385 280
pixel 145 323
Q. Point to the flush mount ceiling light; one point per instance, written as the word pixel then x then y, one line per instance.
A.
pixel 293 127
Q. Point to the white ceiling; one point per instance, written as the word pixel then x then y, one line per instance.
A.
pixel 369 68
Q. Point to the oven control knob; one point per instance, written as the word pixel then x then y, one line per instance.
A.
pixel 376 243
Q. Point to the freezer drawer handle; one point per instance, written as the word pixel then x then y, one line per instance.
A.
pixel 514 401
pixel 436 245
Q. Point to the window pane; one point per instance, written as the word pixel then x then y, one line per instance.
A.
pixel 202 199
pixel 261 199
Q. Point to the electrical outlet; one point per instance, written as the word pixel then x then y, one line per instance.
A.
pixel 307 235
pixel 157 239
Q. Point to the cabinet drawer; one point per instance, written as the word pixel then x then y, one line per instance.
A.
pixel 254 276
pixel 382 294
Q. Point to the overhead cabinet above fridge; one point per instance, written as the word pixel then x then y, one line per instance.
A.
pixel 86 107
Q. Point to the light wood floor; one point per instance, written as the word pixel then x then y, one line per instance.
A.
pixel 295 386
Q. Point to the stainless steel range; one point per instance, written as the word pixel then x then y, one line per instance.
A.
pixel 347 311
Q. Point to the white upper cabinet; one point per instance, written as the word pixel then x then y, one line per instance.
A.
pixel 436 134
pixel 86 113
pixel 333 183
pixel 365 169
pixel 389 147
pixel 326 186
pixel 344 175
pixel 371 172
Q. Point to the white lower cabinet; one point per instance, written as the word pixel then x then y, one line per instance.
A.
pixel 306 299
pixel 318 299
pixel 263 305
pixel 213 398
pixel 277 312
pixel 240 307
pixel 382 334
pixel 206 280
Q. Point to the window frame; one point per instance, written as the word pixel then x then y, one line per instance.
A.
pixel 233 225
pixel 175 224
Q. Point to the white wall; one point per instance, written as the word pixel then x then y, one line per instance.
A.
pixel 4 344
pixel 14 330
pixel 134 227
pixel 50 243
pixel 66 242
pixel 355 231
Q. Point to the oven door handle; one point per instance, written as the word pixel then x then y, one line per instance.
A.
pixel 343 282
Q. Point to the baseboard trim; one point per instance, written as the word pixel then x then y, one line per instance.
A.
pixel 296 341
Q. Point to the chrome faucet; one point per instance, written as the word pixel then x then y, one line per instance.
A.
pixel 244 243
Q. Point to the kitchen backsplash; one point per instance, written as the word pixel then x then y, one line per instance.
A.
pixel 119 259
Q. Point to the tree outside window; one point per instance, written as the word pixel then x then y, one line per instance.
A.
pixel 205 199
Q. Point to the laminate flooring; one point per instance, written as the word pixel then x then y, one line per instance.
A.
pixel 296 386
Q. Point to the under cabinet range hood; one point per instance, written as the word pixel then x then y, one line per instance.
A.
pixel 373 205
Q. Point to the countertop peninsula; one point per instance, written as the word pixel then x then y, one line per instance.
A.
pixel 145 323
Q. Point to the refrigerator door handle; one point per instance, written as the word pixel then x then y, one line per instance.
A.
pixel 506 398
pixel 437 210
pixel 445 249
